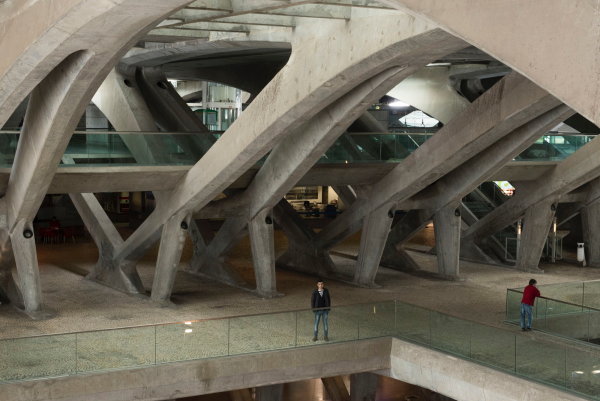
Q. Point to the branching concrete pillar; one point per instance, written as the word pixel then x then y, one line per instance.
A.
pixel 23 244
pixel 363 386
pixel 172 241
pixel 262 243
pixel 590 222
pixel 273 392
pixel 536 225
pixel 301 255
pixel 446 223
pixel 123 277
pixel 376 227
pixel 204 264
pixel 393 255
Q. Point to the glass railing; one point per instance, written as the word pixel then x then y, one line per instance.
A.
pixel 554 147
pixel 92 148
pixel 569 368
pixel 561 318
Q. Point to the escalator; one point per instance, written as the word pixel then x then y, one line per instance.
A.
pixel 476 205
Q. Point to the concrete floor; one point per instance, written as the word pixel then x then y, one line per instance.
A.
pixel 81 305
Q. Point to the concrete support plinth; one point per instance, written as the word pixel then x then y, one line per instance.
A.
pixel 536 225
pixel 301 255
pixel 169 255
pixel 372 242
pixel 269 393
pixel 122 276
pixel 446 224
pixel 262 243
pixel 590 221
pixel 363 386
pixel 23 244
pixel 393 255
pixel 205 265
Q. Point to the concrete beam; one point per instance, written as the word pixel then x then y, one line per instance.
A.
pixel 578 169
pixel 251 138
pixel 503 108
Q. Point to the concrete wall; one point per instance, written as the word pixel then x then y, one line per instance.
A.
pixel 456 378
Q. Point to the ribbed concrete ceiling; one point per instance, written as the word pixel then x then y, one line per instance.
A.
pixel 209 18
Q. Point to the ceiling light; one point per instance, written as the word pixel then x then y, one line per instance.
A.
pixel 398 104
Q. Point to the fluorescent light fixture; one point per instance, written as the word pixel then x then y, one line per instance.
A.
pixel 439 64
pixel 188 330
pixel 398 104
pixel 188 323
pixel 595 372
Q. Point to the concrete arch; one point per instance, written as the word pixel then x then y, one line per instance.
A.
pixel 56 104
pixel 563 61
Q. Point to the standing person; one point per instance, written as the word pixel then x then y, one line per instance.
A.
pixel 529 294
pixel 320 299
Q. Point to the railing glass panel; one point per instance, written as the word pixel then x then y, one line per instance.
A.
pixel 93 148
pixel 574 369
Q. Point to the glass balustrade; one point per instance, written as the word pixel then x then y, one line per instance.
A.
pixel 572 368
pixel 93 148
pixel 562 310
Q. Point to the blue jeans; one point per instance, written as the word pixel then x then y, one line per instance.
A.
pixel 526 316
pixel 325 315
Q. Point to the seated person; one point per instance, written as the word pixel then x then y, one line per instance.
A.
pixel 330 211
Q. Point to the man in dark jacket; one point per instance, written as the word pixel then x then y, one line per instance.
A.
pixel 320 303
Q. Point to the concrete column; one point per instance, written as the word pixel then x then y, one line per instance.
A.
pixel 262 243
pixel 446 223
pixel 372 241
pixel 536 225
pixel 23 244
pixel 269 393
pixel 363 386
pixel 169 255
pixel 590 222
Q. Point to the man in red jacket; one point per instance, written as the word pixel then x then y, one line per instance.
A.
pixel 529 295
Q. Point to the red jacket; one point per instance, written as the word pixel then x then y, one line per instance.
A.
pixel 529 295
